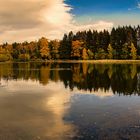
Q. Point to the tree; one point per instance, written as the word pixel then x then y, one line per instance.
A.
pixel 54 49
pixel 15 53
pixel 125 51
pixel 5 55
pixel 76 49
pixel 110 51
pixel 85 54
pixel 81 45
pixel 90 54
pixel 133 52
pixel 100 54
pixel 24 57
pixel 89 39
pixel 33 50
pixel 44 48
pixel 66 46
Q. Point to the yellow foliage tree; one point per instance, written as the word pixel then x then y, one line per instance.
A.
pixel 5 54
pixel 76 48
pixel 24 57
pixel 85 54
pixel 9 48
pixel 133 52
pixel 110 52
pixel 2 50
pixel 44 48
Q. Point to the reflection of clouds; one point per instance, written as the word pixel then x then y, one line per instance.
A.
pixel 57 103
pixel 100 93
pixel 36 111
pixel 15 86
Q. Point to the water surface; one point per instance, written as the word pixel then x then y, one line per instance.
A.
pixel 63 101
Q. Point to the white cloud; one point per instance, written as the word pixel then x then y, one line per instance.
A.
pixel 31 19
pixel 138 5
pixel 100 25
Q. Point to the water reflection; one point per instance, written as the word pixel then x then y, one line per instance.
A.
pixel 121 79
pixel 57 101
pixel 32 112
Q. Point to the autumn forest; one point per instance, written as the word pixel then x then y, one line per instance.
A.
pixel 120 43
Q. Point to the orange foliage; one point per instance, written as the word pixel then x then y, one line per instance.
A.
pixel 76 48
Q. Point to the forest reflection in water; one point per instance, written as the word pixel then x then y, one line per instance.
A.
pixel 121 79
pixel 64 101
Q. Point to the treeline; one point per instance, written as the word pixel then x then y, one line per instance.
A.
pixel 120 43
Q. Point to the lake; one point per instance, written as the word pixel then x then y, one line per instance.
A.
pixel 69 101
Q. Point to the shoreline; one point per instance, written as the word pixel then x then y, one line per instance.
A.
pixel 104 61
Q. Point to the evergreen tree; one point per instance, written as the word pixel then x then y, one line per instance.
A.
pixel 65 46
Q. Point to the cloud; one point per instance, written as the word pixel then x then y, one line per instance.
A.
pixel 100 25
pixel 31 19
pixel 16 14
pixel 138 5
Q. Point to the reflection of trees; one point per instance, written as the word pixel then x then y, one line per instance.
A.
pixel 133 71
pixel 45 74
pixel 54 73
pixel 66 75
pixel 6 70
pixel 25 71
pixel 76 73
pixel 84 67
pixel 122 79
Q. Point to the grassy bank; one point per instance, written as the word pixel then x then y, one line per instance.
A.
pixel 105 61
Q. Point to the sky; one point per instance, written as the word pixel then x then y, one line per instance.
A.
pixel 29 20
